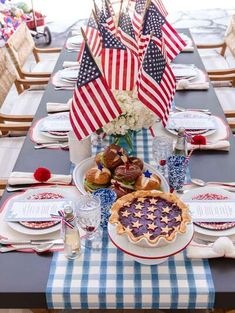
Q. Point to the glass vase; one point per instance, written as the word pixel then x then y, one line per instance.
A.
pixel 125 141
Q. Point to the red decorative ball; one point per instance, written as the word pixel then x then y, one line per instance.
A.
pixel 42 174
pixel 198 140
pixel 162 162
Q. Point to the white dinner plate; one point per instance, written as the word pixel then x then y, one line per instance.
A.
pixel 50 119
pixel 150 256
pixel 30 193
pixel 197 115
pixel 70 74
pixel 82 168
pixel 189 195
pixel 75 40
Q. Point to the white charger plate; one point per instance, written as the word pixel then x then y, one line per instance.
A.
pixel 189 195
pixel 82 168
pixel 150 256
pixel 197 115
pixel 52 118
pixel 24 196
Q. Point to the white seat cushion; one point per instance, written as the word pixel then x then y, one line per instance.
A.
pixel 9 151
pixel 23 104
pixel 46 64
pixel 226 96
pixel 212 60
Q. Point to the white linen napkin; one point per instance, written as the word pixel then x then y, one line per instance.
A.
pixel 53 107
pixel 21 178
pixel 221 145
pixel 222 247
pixel 184 84
pixel 188 49
pixel 68 64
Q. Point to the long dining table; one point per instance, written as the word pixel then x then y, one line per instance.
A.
pixel 23 276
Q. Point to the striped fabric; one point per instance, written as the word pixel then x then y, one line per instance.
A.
pixel 110 279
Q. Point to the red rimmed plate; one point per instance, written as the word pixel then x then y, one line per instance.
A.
pixel 211 193
pixel 150 256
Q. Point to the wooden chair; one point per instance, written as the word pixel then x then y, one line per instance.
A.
pixel 3 184
pixel 219 60
pixel 20 47
pixel 230 115
pixel 11 125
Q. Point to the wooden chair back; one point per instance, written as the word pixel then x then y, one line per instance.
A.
pixel 8 75
pixel 230 36
pixel 20 45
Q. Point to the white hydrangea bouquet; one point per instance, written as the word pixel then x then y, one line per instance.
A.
pixel 134 117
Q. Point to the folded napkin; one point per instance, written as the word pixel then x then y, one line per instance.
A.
pixel 67 64
pixel 53 107
pixel 184 84
pixel 188 49
pixel 23 178
pixel 222 145
pixel 222 247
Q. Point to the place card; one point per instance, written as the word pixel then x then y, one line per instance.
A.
pixel 190 122
pixel 33 210
pixel 212 211
pixel 56 125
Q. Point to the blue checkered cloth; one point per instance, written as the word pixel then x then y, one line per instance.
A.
pixel 109 279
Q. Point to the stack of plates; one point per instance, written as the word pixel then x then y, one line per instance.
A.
pixel 211 231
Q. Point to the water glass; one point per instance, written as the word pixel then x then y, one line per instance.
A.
pixel 107 198
pixel 88 212
pixel 177 165
pixel 79 150
pixel 162 148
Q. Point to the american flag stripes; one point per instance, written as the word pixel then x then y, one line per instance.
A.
pixel 106 18
pixel 93 103
pixel 155 23
pixel 160 6
pixel 120 65
pixel 138 16
pixel 156 83
pixel 93 38
pixel 126 32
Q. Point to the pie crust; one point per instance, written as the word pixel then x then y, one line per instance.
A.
pixel 150 216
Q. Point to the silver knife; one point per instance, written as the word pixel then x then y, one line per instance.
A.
pixel 30 242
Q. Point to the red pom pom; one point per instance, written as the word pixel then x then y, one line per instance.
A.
pixel 162 162
pixel 198 140
pixel 42 174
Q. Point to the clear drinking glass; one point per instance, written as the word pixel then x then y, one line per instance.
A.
pixel 97 139
pixel 162 148
pixel 88 212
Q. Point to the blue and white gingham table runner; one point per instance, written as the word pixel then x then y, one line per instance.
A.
pixel 111 279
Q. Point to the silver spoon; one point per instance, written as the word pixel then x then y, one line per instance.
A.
pixel 39 248
pixel 51 145
pixel 202 183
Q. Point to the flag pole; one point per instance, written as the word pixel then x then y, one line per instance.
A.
pixel 95 7
pixel 95 17
pixel 120 12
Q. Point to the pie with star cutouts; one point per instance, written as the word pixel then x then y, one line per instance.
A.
pixel 168 217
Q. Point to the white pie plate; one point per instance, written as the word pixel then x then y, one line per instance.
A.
pixel 82 168
pixel 150 256
pixel 23 196
pixel 208 232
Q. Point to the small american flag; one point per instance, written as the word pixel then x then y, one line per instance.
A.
pixel 156 82
pixel 155 23
pixel 111 8
pixel 93 38
pixel 126 32
pixel 106 18
pixel 160 6
pixel 138 16
pixel 120 65
pixel 93 103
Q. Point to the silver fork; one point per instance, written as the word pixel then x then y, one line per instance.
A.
pixel 206 111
